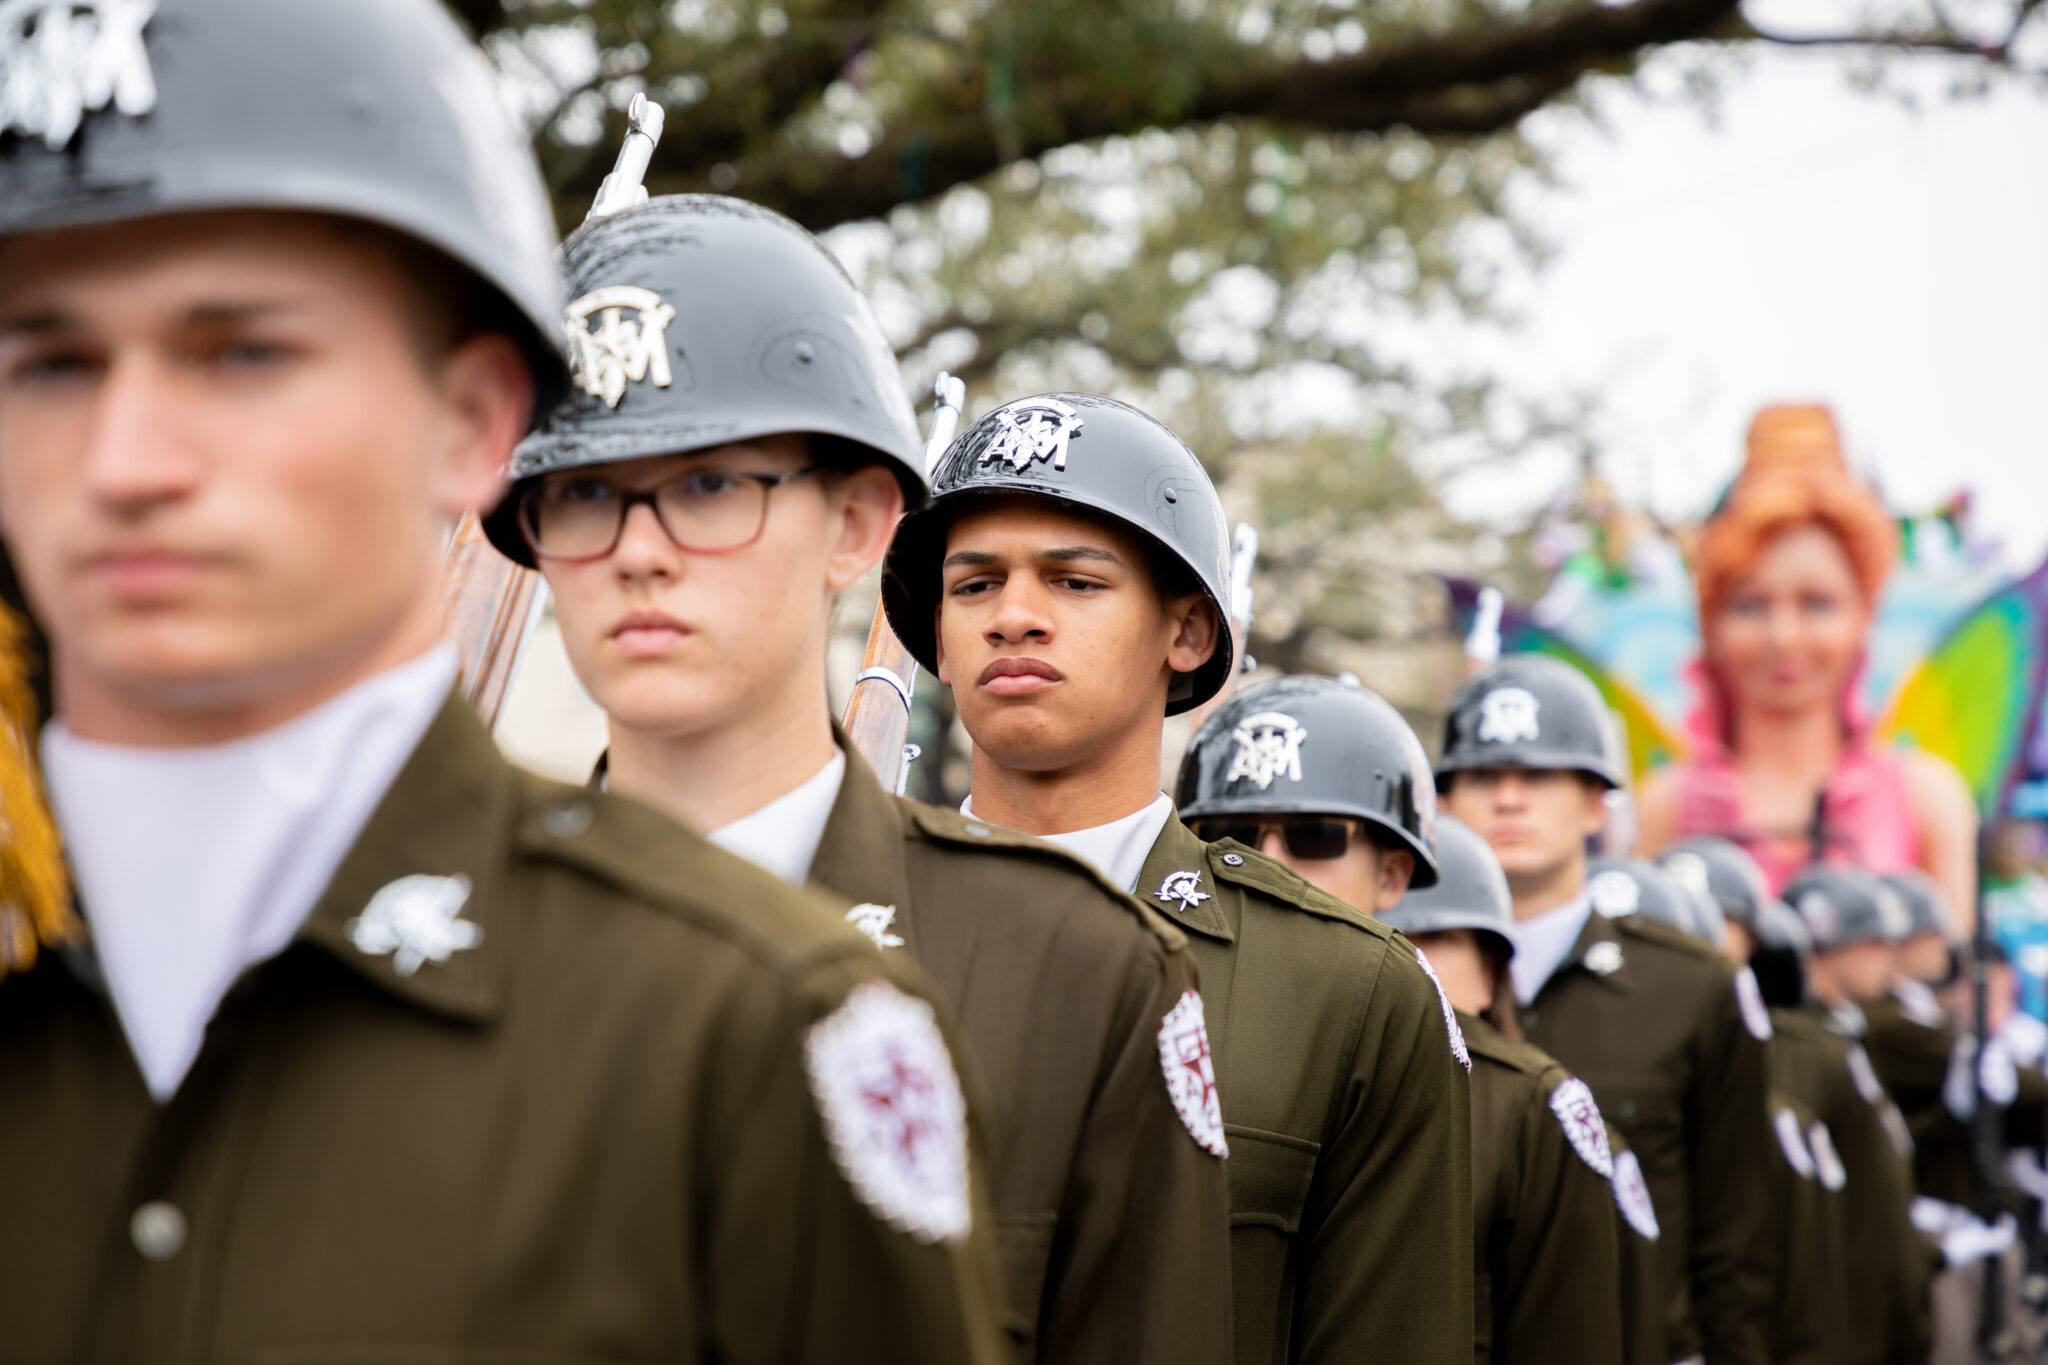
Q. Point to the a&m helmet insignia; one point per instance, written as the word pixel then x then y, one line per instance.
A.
pixel 1184 886
pixel 618 350
pixel 1032 431
pixel 63 59
pixel 415 920
pixel 1268 746
pixel 1507 715
pixel 875 921
pixel 1615 894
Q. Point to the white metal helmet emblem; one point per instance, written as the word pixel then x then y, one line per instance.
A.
pixel 619 350
pixel 1614 893
pixel 1030 432
pixel 1508 715
pixel 63 59
pixel 1268 747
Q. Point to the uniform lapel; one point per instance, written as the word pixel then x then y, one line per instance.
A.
pixel 1178 870
pixel 861 856
pixel 448 816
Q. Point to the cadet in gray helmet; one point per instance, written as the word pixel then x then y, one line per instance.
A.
pixel 1820 1059
pixel 1546 1233
pixel 1067 582
pixel 695 520
pixel 1648 1017
pixel 373 1047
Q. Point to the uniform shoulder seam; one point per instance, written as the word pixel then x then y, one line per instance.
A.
pixel 1261 875
pixel 950 828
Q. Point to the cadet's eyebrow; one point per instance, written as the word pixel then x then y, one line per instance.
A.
pixel 48 320
pixel 970 559
pixel 1075 554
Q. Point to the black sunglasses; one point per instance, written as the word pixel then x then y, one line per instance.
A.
pixel 1309 838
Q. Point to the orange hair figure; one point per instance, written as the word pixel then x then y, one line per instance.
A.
pixel 1795 475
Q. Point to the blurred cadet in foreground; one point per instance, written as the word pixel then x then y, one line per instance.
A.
pixel 374 1047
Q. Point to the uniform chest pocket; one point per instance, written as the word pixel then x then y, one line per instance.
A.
pixel 1269 1177
pixel 1024 1243
pixel 1648 1109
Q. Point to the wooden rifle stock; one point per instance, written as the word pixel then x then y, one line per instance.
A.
pixel 491 602
pixel 877 718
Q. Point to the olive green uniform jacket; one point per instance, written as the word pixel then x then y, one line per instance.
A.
pixel 594 1135
pixel 1545 1230
pixel 1810 1299
pixel 1643 1306
pixel 1651 1022
pixel 1885 1315
pixel 1347 1110
pixel 1114 1222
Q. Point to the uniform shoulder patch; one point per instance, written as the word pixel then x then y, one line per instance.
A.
pixel 1827 1162
pixel 1632 1196
pixel 1577 1113
pixel 1897 1129
pixel 1455 1033
pixel 1792 1142
pixel 1865 1075
pixel 1755 1016
pixel 893 1112
pixel 1190 1071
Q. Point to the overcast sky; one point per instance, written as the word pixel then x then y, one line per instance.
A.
pixel 1816 243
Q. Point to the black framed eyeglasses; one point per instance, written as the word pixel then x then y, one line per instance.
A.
pixel 1309 838
pixel 579 517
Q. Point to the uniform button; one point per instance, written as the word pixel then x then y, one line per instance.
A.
pixel 158 1230
pixel 1625 1111
pixel 1528 1018
pixel 978 831
pixel 566 819
pixel 1233 859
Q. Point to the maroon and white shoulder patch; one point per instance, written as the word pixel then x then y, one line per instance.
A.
pixel 893 1112
pixel 1826 1161
pixel 1632 1196
pixel 1792 1142
pixel 1451 1026
pixel 1755 1017
pixel 1579 1116
pixel 1190 1073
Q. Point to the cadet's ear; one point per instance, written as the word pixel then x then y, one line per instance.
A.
pixel 1196 631
pixel 866 504
pixel 1597 809
pixel 487 392
pixel 1397 870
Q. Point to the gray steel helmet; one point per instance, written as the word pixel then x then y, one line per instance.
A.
pixel 1314 746
pixel 1624 887
pixel 1529 711
pixel 1842 906
pixel 380 111
pixel 1471 892
pixel 698 320
pixel 1085 452
pixel 1723 870
pixel 1927 907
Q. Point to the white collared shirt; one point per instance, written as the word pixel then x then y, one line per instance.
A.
pixel 783 836
pixel 1118 849
pixel 195 864
pixel 1544 943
